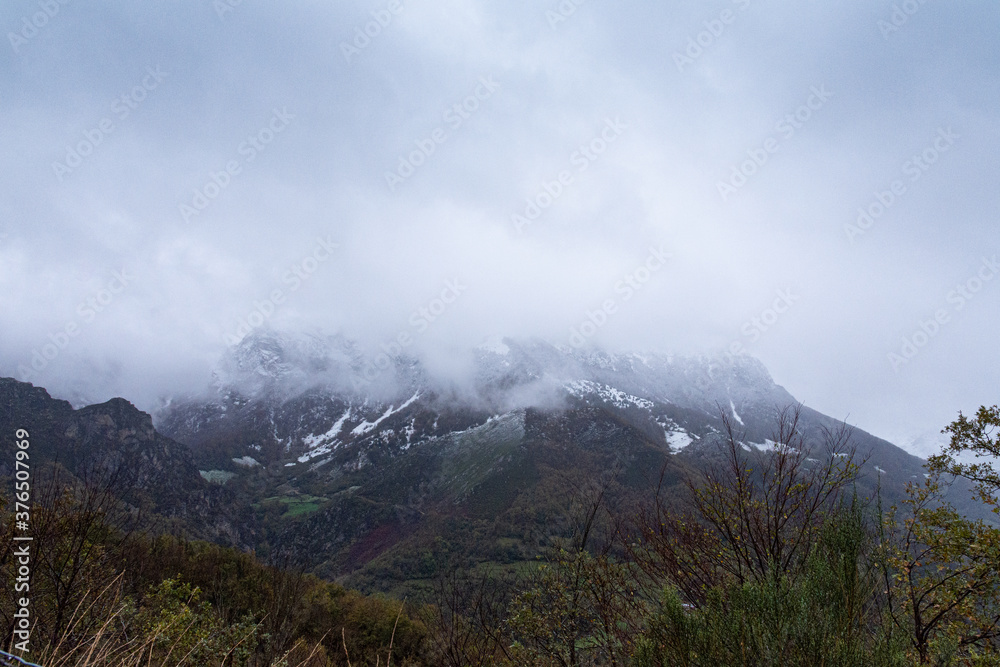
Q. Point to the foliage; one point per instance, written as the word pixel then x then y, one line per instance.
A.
pixel 752 518
pixel 105 594
pixel 772 559
pixel 941 579
pixel 187 628
pixel 572 613
pixel 976 437
pixel 822 617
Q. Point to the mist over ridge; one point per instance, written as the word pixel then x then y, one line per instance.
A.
pixel 813 186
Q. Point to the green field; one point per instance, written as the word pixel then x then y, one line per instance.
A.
pixel 294 504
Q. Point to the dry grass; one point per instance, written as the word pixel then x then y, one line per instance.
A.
pixel 117 644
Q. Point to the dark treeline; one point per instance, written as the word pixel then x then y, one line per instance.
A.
pixel 770 558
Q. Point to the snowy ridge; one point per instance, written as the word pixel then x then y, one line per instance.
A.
pixel 367 426
pixel 616 397
pixel 311 441
pixel 518 411
pixel 319 445
pixel 304 386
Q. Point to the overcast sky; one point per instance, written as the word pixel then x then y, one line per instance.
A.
pixel 686 176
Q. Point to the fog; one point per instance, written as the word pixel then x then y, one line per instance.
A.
pixel 814 184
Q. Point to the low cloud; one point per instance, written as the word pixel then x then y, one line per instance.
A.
pixel 524 181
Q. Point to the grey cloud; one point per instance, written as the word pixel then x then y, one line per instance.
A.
pixel 324 175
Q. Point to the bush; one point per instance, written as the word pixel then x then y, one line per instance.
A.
pixel 824 617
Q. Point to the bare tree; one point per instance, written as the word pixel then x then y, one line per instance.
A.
pixel 752 517
pixel 471 608
pixel 580 607
pixel 82 534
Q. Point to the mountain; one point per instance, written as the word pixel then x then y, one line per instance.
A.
pixel 297 399
pixel 114 443
pixel 379 471
pixel 383 472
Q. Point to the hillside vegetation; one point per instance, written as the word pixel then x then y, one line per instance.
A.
pixel 770 556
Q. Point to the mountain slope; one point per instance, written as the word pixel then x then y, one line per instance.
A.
pixel 114 440
pixel 385 478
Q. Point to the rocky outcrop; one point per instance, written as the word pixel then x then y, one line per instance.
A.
pixel 116 443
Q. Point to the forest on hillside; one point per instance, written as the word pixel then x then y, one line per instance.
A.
pixel 770 558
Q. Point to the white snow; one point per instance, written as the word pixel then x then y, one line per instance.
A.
pixel 766 446
pixel 735 415
pixel 311 441
pixel 409 401
pixel 246 461
pixel 409 431
pixel 677 440
pixel 325 448
pixel 771 446
pixel 616 397
pixel 366 426
pixel 320 444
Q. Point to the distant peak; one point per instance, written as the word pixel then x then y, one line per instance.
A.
pixel 284 364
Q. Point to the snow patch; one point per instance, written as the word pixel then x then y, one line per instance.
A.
pixel 366 426
pixel 409 431
pixel 319 451
pixel 247 461
pixel 311 441
pixel 678 440
pixel 771 446
pixel 736 415
pixel 616 397
pixel 324 443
